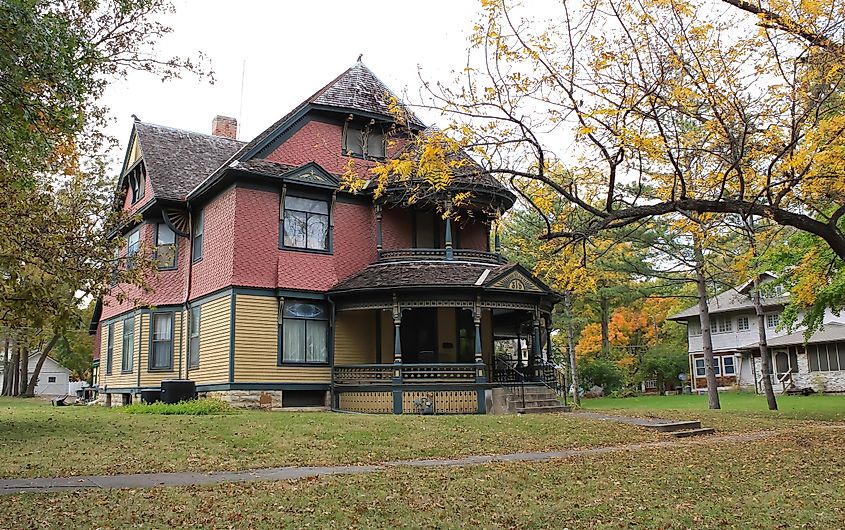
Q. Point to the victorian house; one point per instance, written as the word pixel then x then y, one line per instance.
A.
pixel 278 287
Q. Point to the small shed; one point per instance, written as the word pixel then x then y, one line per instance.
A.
pixel 53 379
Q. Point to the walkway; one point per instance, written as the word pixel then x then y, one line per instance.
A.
pixel 149 480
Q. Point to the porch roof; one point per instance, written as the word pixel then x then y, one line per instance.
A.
pixel 441 273
pixel 830 332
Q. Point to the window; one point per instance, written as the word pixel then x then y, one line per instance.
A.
pixel 742 324
pixel 137 181
pixel 694 329
pixel 716 366
pixel 161 356
pixel 304 333
pixel 305 224
pixel 699 368
pixel 128 350
pixel 721 325
pixel 194 343
pixel 165 247
pixel 133 244
pixel 364 142
pixel 51 379
pixel 728 363
pixel 196 233
pixel 772 320
pixel 109 349
pixel 826 357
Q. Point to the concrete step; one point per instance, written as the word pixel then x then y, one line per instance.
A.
pixel 692 432
pixel 534 402
pixel 676 426
pixel 542 410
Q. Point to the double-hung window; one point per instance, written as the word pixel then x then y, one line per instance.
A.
pixel 699 368
pixel 742 324
pixel 128 345
pixel 109 348
pixel 133 245
pixel 728 363
pixel 363 141
pixel 305 224
pixel 194 343
pixel 165 246
pixel 772 320
pixel 196 234
pixel 304 333
pixel 721 325
pixel 161 353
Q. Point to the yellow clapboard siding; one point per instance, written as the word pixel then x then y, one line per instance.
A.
pixel 215 324
pixel 257 345
pixel 355 337
pixel 116 379
pixel 154 378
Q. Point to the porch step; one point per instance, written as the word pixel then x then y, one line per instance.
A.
pixel 542 410
pixel 516 402
pixel 676 426
pixel 693 432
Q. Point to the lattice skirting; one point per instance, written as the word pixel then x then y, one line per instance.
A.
pixel 445 402
pixel 371 402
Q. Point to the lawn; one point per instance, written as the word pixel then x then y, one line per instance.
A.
pixel 793 480
pixel 39 440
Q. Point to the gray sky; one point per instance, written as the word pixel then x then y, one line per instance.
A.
pixel 291 50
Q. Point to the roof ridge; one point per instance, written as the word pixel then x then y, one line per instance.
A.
pixel 179 129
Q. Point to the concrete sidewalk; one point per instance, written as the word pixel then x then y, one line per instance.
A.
pixel 149 480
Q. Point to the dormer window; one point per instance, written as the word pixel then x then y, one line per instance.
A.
pixel 137 183
pixel 363 141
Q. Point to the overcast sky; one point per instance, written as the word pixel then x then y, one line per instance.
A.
pixel 291 49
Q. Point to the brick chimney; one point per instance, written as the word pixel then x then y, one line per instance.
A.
pixel 225 126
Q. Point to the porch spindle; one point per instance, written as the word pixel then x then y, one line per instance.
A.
pixel 535 346
pixel 450 254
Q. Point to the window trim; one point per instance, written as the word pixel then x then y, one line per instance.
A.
pixel 725 366
pixel 109 348
pixel 129 252
pixel 131 357
pixel 198 225
pixel 365 141
pixel 703 367
pixel 174 245
pixel 311 197
pixel 280 360
pixel 51 379
pixel 151 351
pixel 775 317
pixel 192 335
pixel 747 327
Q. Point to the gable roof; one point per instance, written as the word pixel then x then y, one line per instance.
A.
pixel 727 301
pixel 356 89
pixel 177 160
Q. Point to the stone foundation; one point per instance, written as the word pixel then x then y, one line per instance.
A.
pixel 249 399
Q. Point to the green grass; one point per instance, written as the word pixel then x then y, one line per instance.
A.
pixel 814 407
pixel 793 480
pixel 39 440
pixel 195 407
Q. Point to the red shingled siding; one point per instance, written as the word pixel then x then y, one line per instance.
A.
pixel 319 142
pixel 165 287
pixel 474 235
pixel 396 226
pixel 260 263
pixel 214 271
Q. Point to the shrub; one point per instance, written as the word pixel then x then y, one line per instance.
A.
pixel 603 373
pixel 196 407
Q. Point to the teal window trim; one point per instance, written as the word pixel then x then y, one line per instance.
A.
pixel 109 348
pixel 194 327
pixel 172 248
pixel 152 350
pixel 197 236
pixel 127 344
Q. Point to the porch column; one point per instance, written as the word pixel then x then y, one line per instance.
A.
pixel 397 357
pixel 549 353
pixel 449 252
pixel 378 229
pixel 535 344
pixel 480 374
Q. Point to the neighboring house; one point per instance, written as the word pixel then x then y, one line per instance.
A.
pixel 819 363
pixel 277 288
pixel 52 380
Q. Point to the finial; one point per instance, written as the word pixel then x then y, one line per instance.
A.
pixel 136 118
pixel 360 56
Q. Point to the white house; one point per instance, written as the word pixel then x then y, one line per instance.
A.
pixel 819 363
pixel 53 379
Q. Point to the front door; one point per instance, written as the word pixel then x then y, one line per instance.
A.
pixel 419 335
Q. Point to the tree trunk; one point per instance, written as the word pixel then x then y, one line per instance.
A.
pixel 706 338
pixel 30 388
pixel 14 375
pixel 765 359
pixel 605 326
pixel 6 366
pixel 24 370
pixel 570 346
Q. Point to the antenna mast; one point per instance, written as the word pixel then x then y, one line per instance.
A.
pixel 241 106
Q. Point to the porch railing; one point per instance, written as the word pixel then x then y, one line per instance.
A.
pixel 410 373
pixel 427 254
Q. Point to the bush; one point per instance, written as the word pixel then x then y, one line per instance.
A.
pixel 603 373
pixel 196 407
pixel 624 393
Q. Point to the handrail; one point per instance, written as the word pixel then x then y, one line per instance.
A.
pixel 520 377
pixel 408 254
